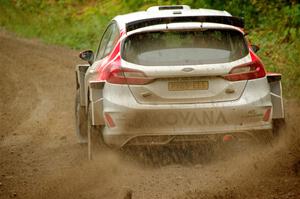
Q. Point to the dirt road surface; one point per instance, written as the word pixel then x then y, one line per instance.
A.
pixel 40 156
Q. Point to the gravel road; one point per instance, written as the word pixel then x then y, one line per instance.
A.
pixel 40 156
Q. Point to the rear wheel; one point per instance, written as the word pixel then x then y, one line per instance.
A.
pixel 80 120
pixel 264 136
pixel 278 126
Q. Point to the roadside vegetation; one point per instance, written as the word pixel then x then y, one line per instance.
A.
pixel 273 25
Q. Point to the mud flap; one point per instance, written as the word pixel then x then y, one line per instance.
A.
pixel 274 80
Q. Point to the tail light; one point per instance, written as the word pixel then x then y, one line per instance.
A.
pixel 252 70
pixel 248 71
pixel 120 75
pixel 115 74
pixel 267 115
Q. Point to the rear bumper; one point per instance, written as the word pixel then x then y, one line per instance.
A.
pixel 160 124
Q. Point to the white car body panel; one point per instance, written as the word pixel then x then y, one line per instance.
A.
pixel 133 119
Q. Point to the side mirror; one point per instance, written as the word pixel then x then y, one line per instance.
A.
pixel 255 48
pixel 87 55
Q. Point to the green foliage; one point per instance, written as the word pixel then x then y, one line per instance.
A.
pixel 273 25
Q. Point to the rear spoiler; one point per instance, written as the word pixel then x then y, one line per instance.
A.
pixel 228 20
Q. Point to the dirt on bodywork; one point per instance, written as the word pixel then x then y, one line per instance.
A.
pixel 40 156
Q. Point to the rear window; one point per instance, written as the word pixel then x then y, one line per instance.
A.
pixel 184 47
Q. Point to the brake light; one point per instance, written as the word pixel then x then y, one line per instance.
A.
pixel 248 71
pixel 118 75
pixel 114 73
pixel 252 70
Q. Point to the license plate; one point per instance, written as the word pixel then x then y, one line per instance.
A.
pixel 188 85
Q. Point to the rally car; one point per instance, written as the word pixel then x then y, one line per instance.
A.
pixel 172 74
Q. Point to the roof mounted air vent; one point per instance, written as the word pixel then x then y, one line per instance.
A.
pixel 161 8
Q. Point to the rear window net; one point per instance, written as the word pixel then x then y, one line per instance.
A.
pixel 228 20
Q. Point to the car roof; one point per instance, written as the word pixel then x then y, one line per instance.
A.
pixel 156 12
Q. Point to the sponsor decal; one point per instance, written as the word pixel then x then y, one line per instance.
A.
pixel 176 119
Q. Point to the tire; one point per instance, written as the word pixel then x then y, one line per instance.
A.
pixel 278 126
pixel 264 137
pixel 80 120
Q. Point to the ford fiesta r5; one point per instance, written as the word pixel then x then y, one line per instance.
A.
pixel 172 74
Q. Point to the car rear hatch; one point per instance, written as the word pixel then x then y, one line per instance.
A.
pixel 175 86
pixel 184 66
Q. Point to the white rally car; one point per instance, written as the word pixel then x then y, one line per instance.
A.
pixel 172 74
